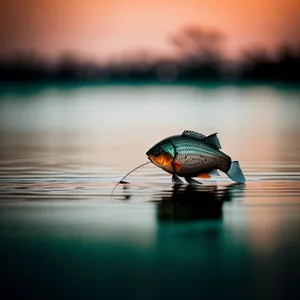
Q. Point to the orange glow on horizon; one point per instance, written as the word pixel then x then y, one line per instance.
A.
pixel 104 28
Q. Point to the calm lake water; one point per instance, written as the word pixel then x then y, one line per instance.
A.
pixel 62 150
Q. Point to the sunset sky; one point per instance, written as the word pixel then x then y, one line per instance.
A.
pixel 101 29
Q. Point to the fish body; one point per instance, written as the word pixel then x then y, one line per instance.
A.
pixel 193 154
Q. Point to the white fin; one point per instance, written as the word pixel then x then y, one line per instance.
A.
pixel 194 134
pixel 213 141
pixel 235 173
pixel 214 172
pixel 192 181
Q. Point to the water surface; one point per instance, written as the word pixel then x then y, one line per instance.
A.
pixel 62 234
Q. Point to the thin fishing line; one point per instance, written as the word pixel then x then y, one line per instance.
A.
pixel 148 162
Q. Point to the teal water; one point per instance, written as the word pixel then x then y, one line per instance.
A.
pixel 62 235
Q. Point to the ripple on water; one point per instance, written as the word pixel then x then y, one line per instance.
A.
pixel 149 185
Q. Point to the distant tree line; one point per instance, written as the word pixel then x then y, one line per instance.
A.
pixel 199 57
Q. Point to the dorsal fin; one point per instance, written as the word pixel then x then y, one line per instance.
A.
pixel 213 141
pixel 194 134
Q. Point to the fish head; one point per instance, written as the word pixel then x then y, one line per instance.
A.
pixel 162 154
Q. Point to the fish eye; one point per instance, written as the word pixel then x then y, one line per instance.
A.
pixel 156 154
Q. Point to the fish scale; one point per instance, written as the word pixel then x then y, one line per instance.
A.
pixel 196 157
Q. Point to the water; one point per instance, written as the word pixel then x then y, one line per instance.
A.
pixel 62 150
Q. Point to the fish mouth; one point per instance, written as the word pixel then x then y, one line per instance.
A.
pixel 150 158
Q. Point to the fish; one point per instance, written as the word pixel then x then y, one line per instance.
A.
pixel 188 155
pixel 193 154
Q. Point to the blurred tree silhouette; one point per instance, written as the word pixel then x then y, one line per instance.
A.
pixel 199 57
pixel 200 53
pixel 199 44
pixel 283 66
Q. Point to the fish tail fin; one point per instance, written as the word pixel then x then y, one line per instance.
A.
pixel 235 173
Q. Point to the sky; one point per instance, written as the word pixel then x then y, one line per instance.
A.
pixel 103 29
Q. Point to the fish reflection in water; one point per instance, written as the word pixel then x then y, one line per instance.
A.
pixel 187 203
